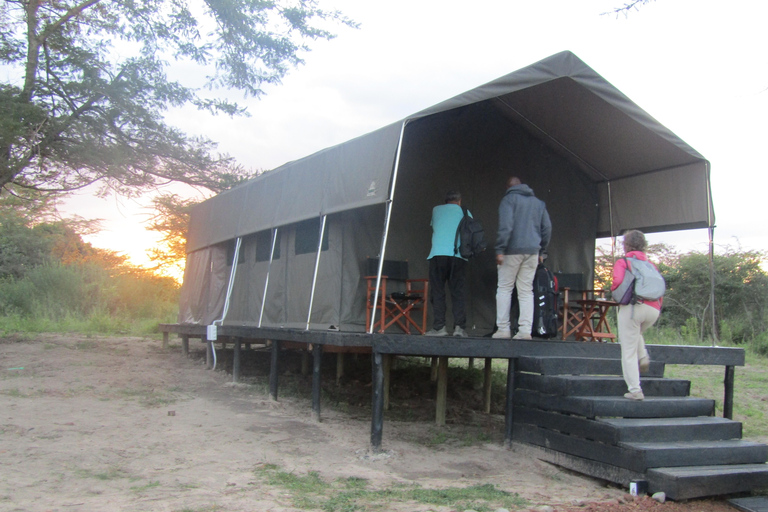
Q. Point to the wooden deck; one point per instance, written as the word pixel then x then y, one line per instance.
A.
pixel 554 389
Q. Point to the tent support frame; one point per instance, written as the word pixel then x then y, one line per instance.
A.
pixel 269 268
pixel 387 218
pixel 317 266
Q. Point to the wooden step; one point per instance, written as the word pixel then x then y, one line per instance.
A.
pixel 579 366
pixel 599 385
pixel 639 458
pixel 701 428
pixel 698 453
pixel 617 430
pixel 616 407
pixel 682 483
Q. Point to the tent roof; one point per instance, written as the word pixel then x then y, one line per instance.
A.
pixel 646 177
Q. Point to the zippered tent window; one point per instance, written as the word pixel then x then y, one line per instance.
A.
pixel 264 245
pixel 307 234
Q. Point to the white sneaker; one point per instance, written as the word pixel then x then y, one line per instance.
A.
pixel 440 332
pixel 637 395
pixel 458 331
pixel 521 336
pixel 502 334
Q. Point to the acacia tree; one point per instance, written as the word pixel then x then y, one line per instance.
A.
pixel 171 218
pixel 93 85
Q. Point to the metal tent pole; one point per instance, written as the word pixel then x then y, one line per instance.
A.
pixel 317 265
pixel 387 218
pixel 211 333
pixel 711 232
pixel 269 269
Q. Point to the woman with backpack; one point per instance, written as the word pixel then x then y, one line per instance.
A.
pixel 635 315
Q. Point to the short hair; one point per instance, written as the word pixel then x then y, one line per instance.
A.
pixel 513 181
pixel 452 196
pixel 634 240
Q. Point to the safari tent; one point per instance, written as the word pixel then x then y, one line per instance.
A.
pixel 290 248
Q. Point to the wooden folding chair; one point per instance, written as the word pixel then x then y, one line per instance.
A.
pixel 405 302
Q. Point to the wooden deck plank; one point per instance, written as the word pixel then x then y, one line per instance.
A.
pixel 404 344
pixel 698 481
pixel 599 385
pixel 617 407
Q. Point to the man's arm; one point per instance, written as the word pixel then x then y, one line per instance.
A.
pixel 504 232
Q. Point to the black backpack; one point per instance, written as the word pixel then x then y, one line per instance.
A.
pixel 545 303
pixel 470 237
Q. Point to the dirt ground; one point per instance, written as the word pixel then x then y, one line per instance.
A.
pixel 120 424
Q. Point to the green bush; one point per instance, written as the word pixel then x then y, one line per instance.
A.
pixel 86 298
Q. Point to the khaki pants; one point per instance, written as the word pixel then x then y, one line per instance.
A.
pixel 518 270
pixel 633 321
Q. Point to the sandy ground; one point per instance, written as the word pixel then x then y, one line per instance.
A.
pixel 120 424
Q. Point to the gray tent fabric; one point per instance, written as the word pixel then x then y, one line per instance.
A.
pixel 601 164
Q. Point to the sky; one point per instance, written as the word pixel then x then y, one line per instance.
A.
pixel 699 67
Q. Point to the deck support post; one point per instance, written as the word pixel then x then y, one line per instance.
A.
pixel 339 367
pixel 317 359
pixel 377 401
pixel 442 390
pixel 386 361
pixel 274 370
pixel 730 373
pixel 487 377
pixel 165 340
pixel 508 415
pixel 185 344
pixel 236 361
pixel 305 363
pixel 209 354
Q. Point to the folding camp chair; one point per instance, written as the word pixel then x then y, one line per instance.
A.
pixel 401 301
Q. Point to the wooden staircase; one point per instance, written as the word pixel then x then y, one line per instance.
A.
pixel 574 409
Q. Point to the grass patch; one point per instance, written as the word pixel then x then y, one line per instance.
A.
pixel 750 391
pixel 353 494
pixel 145 487
pixel 149 398
pixel 111 473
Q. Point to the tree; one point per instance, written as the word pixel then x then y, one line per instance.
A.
pixel 93 85
pixel 741 291
pixel 172 219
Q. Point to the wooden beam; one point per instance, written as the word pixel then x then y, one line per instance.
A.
pixel 387 367
pixel 730 373
pixel 442 390
pixel 236 361
pixel 377 401
pixel 274 370
pixel 339 367
pixel 509 405
pixel 487 378
pixel 317 360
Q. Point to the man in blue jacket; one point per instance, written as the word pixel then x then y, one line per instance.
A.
pixel 522 239
pixel 446 267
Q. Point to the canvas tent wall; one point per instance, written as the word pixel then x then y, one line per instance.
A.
pixel 601 163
